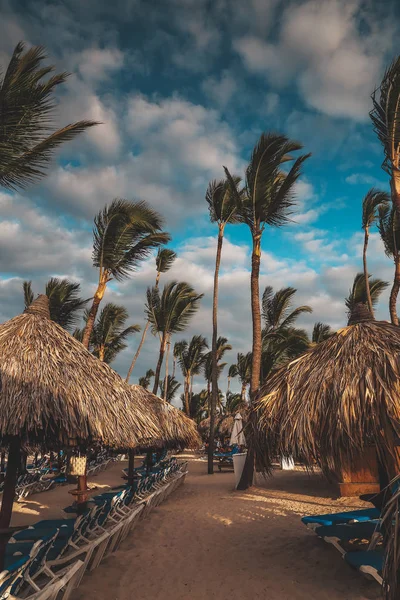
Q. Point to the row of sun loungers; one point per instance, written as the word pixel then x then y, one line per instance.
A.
pixel 356 534
pixel 48 560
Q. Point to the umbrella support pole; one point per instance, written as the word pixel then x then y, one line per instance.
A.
pixel 131 466
pixel 13 464
pixel 81 494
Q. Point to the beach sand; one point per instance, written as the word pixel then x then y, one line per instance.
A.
pixel 209 541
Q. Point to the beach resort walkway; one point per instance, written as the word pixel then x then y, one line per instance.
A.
pixel 209 542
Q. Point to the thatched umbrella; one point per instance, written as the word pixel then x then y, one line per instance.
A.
pixel 335 400
pixel 175 429
pixel 54 393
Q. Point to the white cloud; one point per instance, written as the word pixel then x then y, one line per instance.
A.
pixel 221 89
pixel 320 46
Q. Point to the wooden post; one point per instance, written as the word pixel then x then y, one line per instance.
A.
pixel 13 464
pixel 131 466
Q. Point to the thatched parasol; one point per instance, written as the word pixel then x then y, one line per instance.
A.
pixel 335 400
pixel 55 393
pixel 175 428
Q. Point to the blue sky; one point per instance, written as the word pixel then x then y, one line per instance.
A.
pixel 183 87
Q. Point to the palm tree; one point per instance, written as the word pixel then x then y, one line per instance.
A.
pixel 124 235
pixel 108 334
pixel 371 203
pixel 222 206
pixel 65 303
pixel 391 241
pixel 234 402
pixel 321 332
pixel 243 366
pixel 277 309
pixel 281 341
pixel 385 116
pixel 27 104
pixel 222 347
pixel 267 199
pixel 168 392
pixel 191 360
pixel 232 373
pixel 145 381
pixel 164 260
pixel 169 313
pixel 280 347
pixel 358 292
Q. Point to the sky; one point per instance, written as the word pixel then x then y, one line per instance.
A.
pixel 183 87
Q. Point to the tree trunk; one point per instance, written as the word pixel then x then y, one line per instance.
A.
pixel 367 289
pixel 229 385
pixel 142 338
pixel 166 371
pixel 186 397
pixel 159 364
pixel 256 316
pixel 246 479
pixel 101 288
pixel 102 352
pixel 243 391
pixel 395 291
pixel 214 357
pixel 138 351
pixel 13 463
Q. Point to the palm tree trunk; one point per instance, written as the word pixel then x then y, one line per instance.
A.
pixel 101 288
pixel 186 397
pixel 246 479
pixel 159 364
pixel 256 315
pixel 214 357
pixel 395 290
pixel 137 351
pixel 102 352
pixel 166 371
pixel 366 278
pixel 142 338
pixel 243 391
pixel 229 385
pixel 13 463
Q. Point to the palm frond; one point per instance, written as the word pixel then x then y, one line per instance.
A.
pixel 108 334
pixel 370 206
pixel 321 332
pixel 27 107
pixel 385 115
pixel 165 259
pixel 171 310
pixel 358 293
pixel 125 233
pixel 223 203
pixel 28 293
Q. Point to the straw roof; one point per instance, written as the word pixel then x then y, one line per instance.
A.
pixel 334 400
pixel 175 428
pixel 223 425
pixel 54 392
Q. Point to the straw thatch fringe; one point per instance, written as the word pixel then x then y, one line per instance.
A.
pixel 175 428
pixel 223 425
pixel 54 392
pixel 332 402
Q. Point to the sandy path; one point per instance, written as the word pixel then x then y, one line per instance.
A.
pixel 207 541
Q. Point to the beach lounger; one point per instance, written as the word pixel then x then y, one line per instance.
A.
pixel 341 534
pixel 351 516
pixel 369 562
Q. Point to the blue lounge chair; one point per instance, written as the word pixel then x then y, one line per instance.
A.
pixel 369 562
pixel 339 534
pixel 352 516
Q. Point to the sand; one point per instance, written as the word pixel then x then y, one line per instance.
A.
pixel 208 541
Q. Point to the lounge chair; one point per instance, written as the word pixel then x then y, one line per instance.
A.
pixel 369 562
pixel 339 535
pixel 352 516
